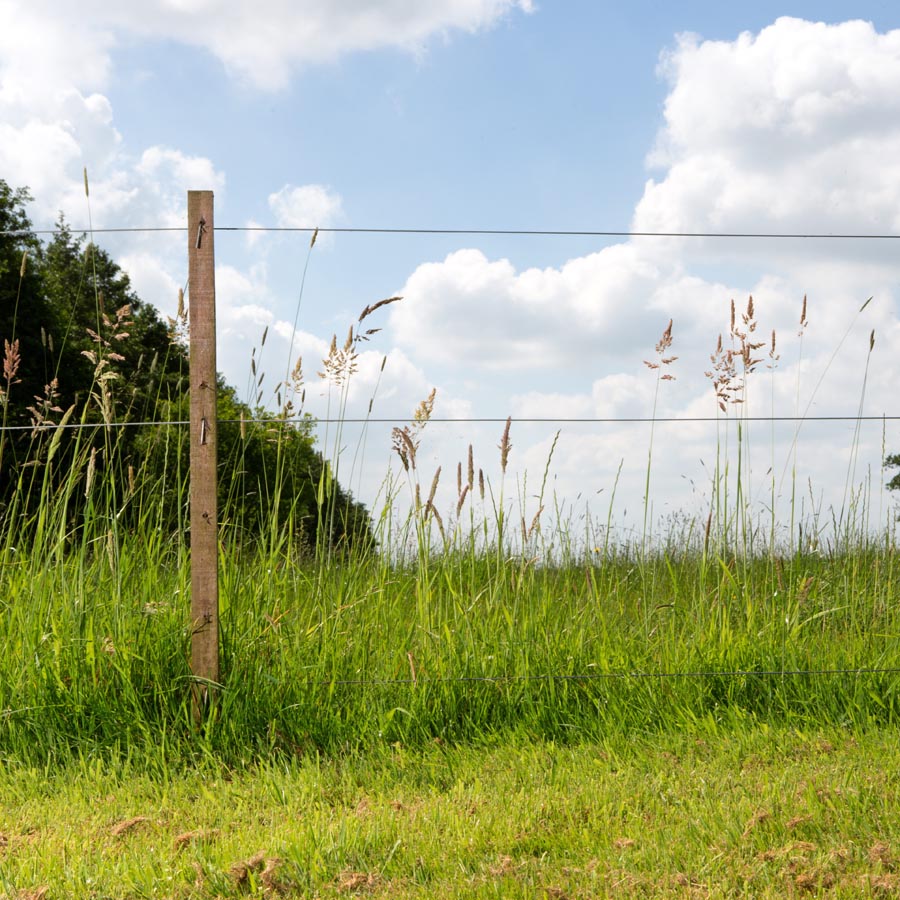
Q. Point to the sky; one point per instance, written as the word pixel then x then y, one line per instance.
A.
pixel 509 115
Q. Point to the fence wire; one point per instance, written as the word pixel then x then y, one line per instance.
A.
pixel 495 232
pixel 489 420
pixel 421 681
pixel 596 676
pixel 586 676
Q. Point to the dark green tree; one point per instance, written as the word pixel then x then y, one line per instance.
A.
pixel 82 345
pixel 26 316
pixel 893 462
pixel 103 323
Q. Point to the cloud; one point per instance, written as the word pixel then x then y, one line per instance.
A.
pixel 482 313
pixel 45 47
pixel 310 205
pixel 265 42
pixel 778 131
pixel 775 131
pixel 260 41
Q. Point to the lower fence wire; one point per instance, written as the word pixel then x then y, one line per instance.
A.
pixel 593 676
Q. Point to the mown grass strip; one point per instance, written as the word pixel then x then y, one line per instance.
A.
pixel 727 809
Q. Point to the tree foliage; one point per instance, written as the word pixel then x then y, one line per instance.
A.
pixel 81 347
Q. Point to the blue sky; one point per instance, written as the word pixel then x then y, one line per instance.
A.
pixel 501 114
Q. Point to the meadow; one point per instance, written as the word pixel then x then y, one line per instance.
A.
pixel 453 718
pixel 466 704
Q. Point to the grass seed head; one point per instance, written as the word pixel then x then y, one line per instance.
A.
pixel 664 343
pixel 425 409
pixel 91 471
pixel 434 485
pixel 11 361
pixel 535 522
pixel 340 363
pixel 505 446
pixel 430 507
pixel 373 306
pixel 404 447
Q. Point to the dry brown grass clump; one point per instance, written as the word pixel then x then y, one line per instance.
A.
pixel 127 825
pixel 189 837
pixel 356 882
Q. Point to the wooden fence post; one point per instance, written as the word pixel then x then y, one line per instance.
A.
pixel 203 435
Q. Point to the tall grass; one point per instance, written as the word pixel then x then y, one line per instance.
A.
pixel 345 655
pixel 472 633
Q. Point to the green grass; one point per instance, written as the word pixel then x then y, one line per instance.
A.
pixel 463 708
pixel 458 646
pixel 718 810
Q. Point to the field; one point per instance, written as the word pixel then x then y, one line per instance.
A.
pixel 455 724
pixel 476 705
pixel 722 810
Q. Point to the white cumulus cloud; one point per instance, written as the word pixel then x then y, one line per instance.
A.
pixel 261 41
pixel 307 206
pixel 794 128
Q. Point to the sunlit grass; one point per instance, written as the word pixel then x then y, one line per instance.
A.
pixel 471 703
pixel 715 810
pixel 459 645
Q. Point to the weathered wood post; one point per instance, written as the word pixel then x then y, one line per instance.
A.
pixel 203 435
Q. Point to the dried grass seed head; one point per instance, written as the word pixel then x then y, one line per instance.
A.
pixel 663 344
pixel 403 445
pixel 425 409
pixel 297 373
pixel 505 445
pixel 434 486
pixel 340 363
pixel 373 306
pixel 11 361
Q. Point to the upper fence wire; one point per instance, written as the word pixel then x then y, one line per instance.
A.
pixel 511 232
pixel 499 232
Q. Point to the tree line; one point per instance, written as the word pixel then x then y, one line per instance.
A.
pixel 81 348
